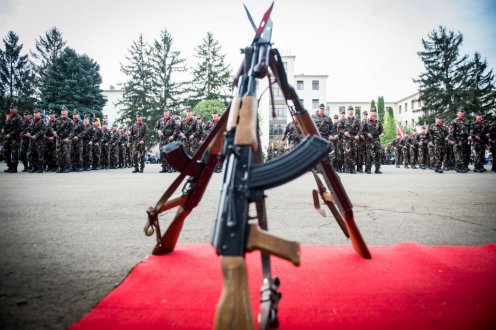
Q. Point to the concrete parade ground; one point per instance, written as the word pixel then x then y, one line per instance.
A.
pixel 66 240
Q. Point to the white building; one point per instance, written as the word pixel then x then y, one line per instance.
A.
pixel 111 109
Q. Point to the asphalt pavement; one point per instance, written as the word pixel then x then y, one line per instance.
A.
pixel 67 239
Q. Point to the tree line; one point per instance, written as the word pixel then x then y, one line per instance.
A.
pixel 49 76
pixel 158 76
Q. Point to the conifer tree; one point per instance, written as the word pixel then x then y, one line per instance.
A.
pixel 73 80
pixel 211 77
pixel 442 84
pixel 380 108
pixel 481 95
pixel 138 89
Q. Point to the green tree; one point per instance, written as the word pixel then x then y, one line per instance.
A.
pixel 372 104
pixel 165 63
pixel 444 80
pixel 358 112
pixel 205 108
pixel 73 80
pixel 211 77
pixel 380 108
pixel 139 90
pixel 48 48
pixel 389 127
pixel 481 95
pixel 16 76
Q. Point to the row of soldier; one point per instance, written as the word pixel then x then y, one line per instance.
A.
pixel 63 145
pixel 440 147
pixel 354 142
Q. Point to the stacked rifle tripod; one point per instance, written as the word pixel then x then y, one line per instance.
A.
pixel 235 140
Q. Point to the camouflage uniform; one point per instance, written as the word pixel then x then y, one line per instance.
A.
pixel 459 132
pixel 129 150
pixel 406 151
pixel 37 145
pixel 198 135
pixel 64 127
pixel 437 136
pixel 423 152
pixel 13 127
pixel 139 133
pixel 50 159
pixel 414 145
pixel 339 128
pixel 352 126
pixel 77 145
pixel 25 140
pixel 479 140
pixel 189 129
pixel 209 126
pixel 114 148
pixel 398 151
pixel 167 132
pixel 292 133
pixel 87 138
pixel 492 143
pixel 388 153
pixel 105 155
pixel 97 143
pixel 270 152
pixel 123 149
pixel 362 145
pixel 374 148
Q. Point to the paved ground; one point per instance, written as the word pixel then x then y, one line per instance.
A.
pixel 67 239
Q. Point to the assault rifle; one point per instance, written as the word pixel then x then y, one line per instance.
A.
pixel 235 140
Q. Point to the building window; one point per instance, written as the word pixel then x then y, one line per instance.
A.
pixel 299 85
pixel 276 91
pixel 276 131
pixel 413 122
pixel 406 123
pixel 413 104
pixel 399 109
pixel 406 106
pixel 315 103
pixel 315 85
pixel 281 112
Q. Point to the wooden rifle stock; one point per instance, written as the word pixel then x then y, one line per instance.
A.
pixel 259 239
pixel 170 237
pixel 234 307
pixel 246 131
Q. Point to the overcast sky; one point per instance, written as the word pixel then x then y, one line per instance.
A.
pixel 367 47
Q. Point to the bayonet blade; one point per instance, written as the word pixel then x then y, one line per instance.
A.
pixel 250 18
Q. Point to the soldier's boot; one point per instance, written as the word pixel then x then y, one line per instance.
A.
pixel 141 169
pixel 483 169
pixel 377 171
pixel 406 165
pixel 33 169
pixel 360 169
pixel 59 170
pixel 368 170
pixel 169 169
pixel 79 169
pixel 439 170
pixel 477 169
pixel 66 170
pixel 398 166
pixel 136 170
pixel 465 169
pixel 164 169
pixel 352 170
pixel 414 167
pixel 40 169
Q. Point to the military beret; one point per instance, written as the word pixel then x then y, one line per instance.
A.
pixel 322 106
pixel 51 112
pixel 75 112
pixel 139 113
pixel 26 113
pixel 336 116
pixel 342 111
pixel 350 107
pixel 439 116
pixel 36 110
pixel 64 108
pixel 461 109
pixel 189 110
pixel 115 125
pixel 86 117
pixel 95 119
pixel 104 123
pixel 13 105
pixel 214 112
pixel 373 110
pixel 166 109
pixel 366 113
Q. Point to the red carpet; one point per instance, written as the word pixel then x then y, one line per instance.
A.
pixel 404 286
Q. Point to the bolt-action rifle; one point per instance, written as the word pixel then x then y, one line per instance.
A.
pixel 235 140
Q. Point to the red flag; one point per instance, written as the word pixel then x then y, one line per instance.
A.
pixel 399 131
